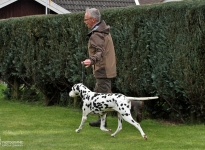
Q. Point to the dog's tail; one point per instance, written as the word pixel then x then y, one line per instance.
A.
pixel 141 98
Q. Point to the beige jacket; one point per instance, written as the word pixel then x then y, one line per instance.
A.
pixel 101 51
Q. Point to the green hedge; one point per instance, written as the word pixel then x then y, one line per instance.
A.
pixel 159 50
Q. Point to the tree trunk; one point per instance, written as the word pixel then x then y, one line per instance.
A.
pixel 15 89
pixel 192 117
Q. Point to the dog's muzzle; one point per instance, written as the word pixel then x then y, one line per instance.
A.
pixel 72 94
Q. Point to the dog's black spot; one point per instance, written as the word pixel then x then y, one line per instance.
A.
pixel 97 105
pixel 108 101
pixel 95 95
pixel 133 121
pixel 96 109
pixel 106 105
pixel 78 88
pixel 81 93
pixel 87 97
pixel 119 95
pixel 88 105
pixel 127 114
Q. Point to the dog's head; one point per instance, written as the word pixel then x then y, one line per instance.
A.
pixel 75 91
pixel 79 90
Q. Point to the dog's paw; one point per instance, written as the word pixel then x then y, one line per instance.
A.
pixel 145 137
pixel 77 130
pixel 112 135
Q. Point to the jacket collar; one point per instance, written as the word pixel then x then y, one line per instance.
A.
pixel 100 27
pixel 95 26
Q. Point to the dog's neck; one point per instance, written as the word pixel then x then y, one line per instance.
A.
pixel 84 92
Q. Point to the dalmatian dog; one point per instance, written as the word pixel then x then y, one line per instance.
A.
pixel 99 103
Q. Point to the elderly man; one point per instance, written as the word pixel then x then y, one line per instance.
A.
pixel 101 53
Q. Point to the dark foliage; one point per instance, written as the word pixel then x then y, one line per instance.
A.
pixel 159 49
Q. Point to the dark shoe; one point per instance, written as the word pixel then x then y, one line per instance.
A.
pixel 97 123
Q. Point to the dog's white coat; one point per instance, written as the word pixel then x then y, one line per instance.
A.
pixel 99 103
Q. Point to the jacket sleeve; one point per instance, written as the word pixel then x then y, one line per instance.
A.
pixel 97 44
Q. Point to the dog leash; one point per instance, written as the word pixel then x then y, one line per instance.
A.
pixel 83 72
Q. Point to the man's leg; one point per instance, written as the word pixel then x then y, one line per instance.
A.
pixel 137 106
pixel 101 86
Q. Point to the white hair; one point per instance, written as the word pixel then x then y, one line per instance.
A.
pixel 94 13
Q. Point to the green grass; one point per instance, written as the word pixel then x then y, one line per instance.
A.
pixel 53 128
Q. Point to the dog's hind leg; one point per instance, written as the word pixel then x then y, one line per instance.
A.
pixel 119 125
pixel 130 120
pixel 102 124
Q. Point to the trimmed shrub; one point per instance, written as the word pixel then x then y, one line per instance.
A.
pixel 159 50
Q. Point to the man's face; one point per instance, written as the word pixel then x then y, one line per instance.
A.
pixel 89 21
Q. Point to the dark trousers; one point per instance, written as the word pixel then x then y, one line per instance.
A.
pixel 103 85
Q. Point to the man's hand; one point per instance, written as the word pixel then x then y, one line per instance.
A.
pixel 86 62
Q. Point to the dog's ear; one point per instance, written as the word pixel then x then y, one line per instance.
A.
pixel 78 87
pixel 75 87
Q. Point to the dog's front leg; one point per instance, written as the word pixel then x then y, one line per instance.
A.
pixel 84 118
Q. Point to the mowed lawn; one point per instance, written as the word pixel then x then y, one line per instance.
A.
pixel 33 127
